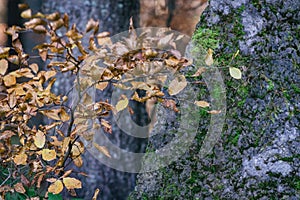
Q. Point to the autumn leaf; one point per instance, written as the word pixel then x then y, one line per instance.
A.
pixel 235 72
pixel 101 86
pixel 48 154
pixel 122 104
pixel 72 183
pixel 19 188
pixel 96 194
pixel 6 134
pixel 177 85
pixel 9 80
pixel 64 115
pixel 26 14
pixel 56 187
pixel 202 104
pixel 214 112
pixel 102 149
pixel 78 161
pixel 199 72
pixel 21 159
pixel 209 57
pixel 39 139
pixel 3 66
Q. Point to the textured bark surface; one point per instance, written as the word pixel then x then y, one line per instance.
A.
pixel 114 17
pixel 258 154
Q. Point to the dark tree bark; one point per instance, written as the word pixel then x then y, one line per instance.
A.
pixel 114 17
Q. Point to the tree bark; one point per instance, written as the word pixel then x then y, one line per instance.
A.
pixel 114 17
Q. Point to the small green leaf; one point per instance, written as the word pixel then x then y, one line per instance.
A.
pixel 235 72
pixel 54 196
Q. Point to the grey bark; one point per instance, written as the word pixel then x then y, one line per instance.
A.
pixel 258 154
pixel 114 17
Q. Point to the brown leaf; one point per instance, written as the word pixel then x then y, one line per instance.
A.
pixel 101 86
pixel 25 181
pixel 102 149
pixel 202 104
pixel 19 188
pixel 177 85
pixel 214 112
pixel 96 194
pixel 199 72
pixel 9 80
pixel 72 183
pixel 3 66
pixel 56 187
pixel 34 67
pixel 78 161
pixel 20 159
pixel 64 115
pixel 6 134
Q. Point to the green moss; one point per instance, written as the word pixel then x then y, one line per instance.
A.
pixel 207 38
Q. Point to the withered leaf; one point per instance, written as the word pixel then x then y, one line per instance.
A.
pixel 19 188
pixel 202 104
pixel 56 187
pixel 102 149
pixel 9 80
pixel 177 85
pixel 3 66
pixel 48 154
pixel 21 159
pixel 39 139
pixel 26 14
pixel 72 183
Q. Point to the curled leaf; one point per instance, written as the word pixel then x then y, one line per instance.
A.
pixel 102 149
pixel 3 66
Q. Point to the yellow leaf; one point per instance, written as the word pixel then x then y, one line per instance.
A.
pixel 176 85
pixel 78 161
pixel 56 187
pixel 53 114
pixel 122 104
pixel 19 188
pixel 209 57
pixel 202 104
pixel 101 86
pixel 9 80
pixel 20 159
pixel 71 183
pixel 77 149
pixel 26 14
pixel 3 66
pixel 235 73
pixel 64 115
pixel 34 67
pixel 102 149
pixel 48 154
pixel 39 139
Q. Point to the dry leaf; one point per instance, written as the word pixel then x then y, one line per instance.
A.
pixel 20 159
pixel 9 80
pixel 78 161
pixel 214 112
pixel 19 188
pixel 102 149
pixel 199 72
pixel 26 14
pixel 6 134
pixel 177 85
pixel 39 139
pixel 209 57
pixel 56 187
pixel 101 86
pixel 96 194
pixel 48 154
pixel 3 66
pixel 72 183
pixel 122 104
pixel 202 104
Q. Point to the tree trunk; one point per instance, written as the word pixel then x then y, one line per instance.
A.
pixel 114 17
